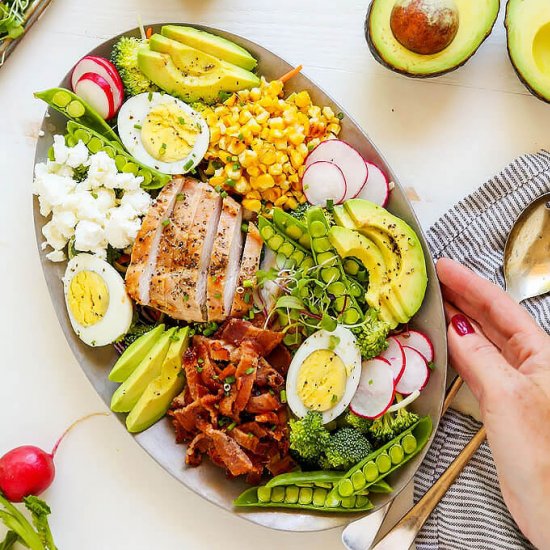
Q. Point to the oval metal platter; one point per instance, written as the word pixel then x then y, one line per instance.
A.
pixel 208 480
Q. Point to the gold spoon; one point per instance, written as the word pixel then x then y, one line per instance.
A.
pixel 527 252
pixel 360 534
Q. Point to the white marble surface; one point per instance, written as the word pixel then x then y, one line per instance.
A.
pixel 443 137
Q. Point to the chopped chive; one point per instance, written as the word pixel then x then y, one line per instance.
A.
pixel 181 120
pixel 231 426
pixel 230 380
pixel 218 188
pixel 340 116
pixel 249 370
pixel 236 166
pixel 199 369
pixel 188 164
pixel 248 284
pixel 165 222
pixel 250 434
pixel 137 126
pixel 200 360
pixel 150 96
pixel 180 197
pixel 223 194
pixel 230 183
pixel 240 136
pixel 283 396
pixel 218 295
pixel 246 298
pixel 244 227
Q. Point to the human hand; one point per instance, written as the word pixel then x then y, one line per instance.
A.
pixel 504 357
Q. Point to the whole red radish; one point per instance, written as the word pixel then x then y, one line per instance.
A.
pixel 28 470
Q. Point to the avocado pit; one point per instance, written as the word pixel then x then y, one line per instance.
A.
pixel 424 26
pixel 541 48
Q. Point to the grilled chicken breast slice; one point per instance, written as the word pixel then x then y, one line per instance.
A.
pixel 145 251
pixel 224 261
pixel 249 266
pixel 165 291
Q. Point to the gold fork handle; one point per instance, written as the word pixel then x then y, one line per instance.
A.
pixel 406 530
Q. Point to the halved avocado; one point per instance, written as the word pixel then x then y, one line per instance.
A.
pixel 528 32
pixel 476 21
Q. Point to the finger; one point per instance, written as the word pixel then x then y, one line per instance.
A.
pixel 475 358
pixel 496 312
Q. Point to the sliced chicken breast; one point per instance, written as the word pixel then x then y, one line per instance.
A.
pixel 166 293
pixel 249 266
pixel 224 261
pixel 183 290
pixel 146 247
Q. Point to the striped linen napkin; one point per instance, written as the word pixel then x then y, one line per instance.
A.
pixel 472 515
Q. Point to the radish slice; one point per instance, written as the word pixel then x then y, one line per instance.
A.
pixel 395 356
pixel 377 188
pixel 95 90
pixel 104 68
pixel 416 373
pixel 347 159
pixel 375 392
pixel 323 181
pixel 418 341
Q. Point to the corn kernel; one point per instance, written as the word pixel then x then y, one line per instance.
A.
pixel 334 128
pixel 291 203
pixel 327 112
pixel 236 147
pixel 275 169
pixel 302 99
pixel 255 94
pixel 263 182
pixel 281 200
pixel 272 194
pixel 215 134
pixel 296 138
pixel 253 171
pixel 252 204
pixel 242 186
pixel 276 123
pixel 296 159
pixel 281 144
pixel 302 150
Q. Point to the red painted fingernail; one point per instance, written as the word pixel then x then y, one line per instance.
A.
pixel 461 325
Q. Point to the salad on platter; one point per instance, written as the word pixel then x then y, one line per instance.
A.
pixel 240 258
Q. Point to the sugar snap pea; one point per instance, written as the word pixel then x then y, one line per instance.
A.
pixel 388 458
pixel 152 179
pixel 75 108
pixel 302 498
pixel 292 227
pixel 345 293
pixel 292 252
pixel 324 477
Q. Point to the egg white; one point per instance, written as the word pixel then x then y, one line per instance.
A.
pixel 118 317
pixel 134 112
pixel 346 349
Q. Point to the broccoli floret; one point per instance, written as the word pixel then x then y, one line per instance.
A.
pixel 308 437
pixel 346 448
pixel 371 335
pixel 362 425
pixel 390 425
pixel 125 58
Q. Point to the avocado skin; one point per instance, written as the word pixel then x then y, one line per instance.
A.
pixel 378 56
pixel 516 68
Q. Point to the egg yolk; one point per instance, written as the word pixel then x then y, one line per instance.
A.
pixel 321 380
pixel 169 133
pixel 88 298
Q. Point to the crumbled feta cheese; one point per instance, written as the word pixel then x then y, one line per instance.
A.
pixel 139 200
pixel 65 221
pixel 78 155
pixel 121 229
pixel 60 150
pixel 102 171
pixel 53 236
pixel 89 236
pixel 127 182
pixel 56 256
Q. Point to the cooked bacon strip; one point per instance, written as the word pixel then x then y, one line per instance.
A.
pixel 236 331
pixel 248 441
pixel 226 404
pixel 280 359
pixel 267 376
pixel 264 402
pixel 194 382
pixel 186 417
pixel 254 477
pixel 196 449
pixel 255 428
pixel 234 458
pixel 246 376
pixel 267 418
pixel 230 370
pixel 217 349
pixel 208 371
pixel 278 465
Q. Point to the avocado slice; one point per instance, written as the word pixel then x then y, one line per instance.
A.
pixel 156 399
pixel 161 69
pixel 349 242
pixel 210 43
pixel 528 34
pixel 407 275
pixel 476 21
pixel 128 393
pixel 134 354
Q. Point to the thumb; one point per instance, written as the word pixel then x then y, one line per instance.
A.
pixel 475 357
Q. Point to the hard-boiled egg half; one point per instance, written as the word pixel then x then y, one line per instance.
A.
pixel 324 374
pixel 99 308
pixel 163 132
